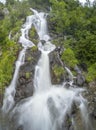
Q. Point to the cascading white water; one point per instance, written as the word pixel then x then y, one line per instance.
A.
pixel 42 79
pixel 48 108
pixel 10 91
pixel 41 25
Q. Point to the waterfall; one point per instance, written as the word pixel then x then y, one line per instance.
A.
pixel 8 101
pixel 10 91
pixel 50 105
pixel 42 73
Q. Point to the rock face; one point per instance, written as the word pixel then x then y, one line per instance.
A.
pixel 26 75
pixel 91 97
pixel 25 86
pixel 80 79
pixel 56 76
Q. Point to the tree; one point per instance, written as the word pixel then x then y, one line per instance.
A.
pixel 11 2
pixel 68 57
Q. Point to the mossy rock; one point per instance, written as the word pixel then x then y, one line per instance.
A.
pixel 27 75
pixel 34 48
pixel 58 73
pixel 33 35
pixel 29 58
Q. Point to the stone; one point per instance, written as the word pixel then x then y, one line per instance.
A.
pixel 25 85
pixel 80 79
pixel 29 89
pixel 43 42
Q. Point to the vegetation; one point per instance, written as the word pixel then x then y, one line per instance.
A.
pixel 34 48
pixel 33 35
pixel 39 4
pixel 7 59
pixel 27 75
pixel 12 16
pixel 76 24
pixel 68 58
pixel 91 75
pixel 58 72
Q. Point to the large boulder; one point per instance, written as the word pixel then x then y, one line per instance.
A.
pixel 80 79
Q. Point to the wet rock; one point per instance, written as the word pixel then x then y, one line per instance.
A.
pixel 52 108
pixel 43 42
pixel 5 11
pixel 80 79
pixel 29 89
pixel 71 128
pixel 20 128
pixel 22 81
pixel 56 68
pixel 25 86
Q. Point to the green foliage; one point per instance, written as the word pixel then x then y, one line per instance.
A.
pixel 29 58
pixel 7 60
pixel 8 49
pixel 58 71
pixel 37 4
pixel 68 58
pixel 11 22
pixel 65 15
pixel 1 12
pixel 85 48
pixel 11 2
pixel 32 32
pixel 68 42
pixel 59 15
pixel 27 75
pixel 91 76
pixel 77 25
pixel 33 35
pixel 34 48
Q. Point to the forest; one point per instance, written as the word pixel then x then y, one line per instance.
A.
pixel 73 24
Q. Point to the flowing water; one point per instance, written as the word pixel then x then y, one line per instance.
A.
pixel 50 105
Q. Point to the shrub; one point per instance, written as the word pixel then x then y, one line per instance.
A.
pixel 7 60
pixel 58 71
pixel 91 75
pixel 68 57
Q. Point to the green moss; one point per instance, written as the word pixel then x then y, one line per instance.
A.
pixel 29 58
pixel 58 71
pixel 27 75
pixel 32 32
pixel 68 58
pixel 55 41
pixel 34 48
pixel 35 41
pixel 74 73
pixel 33 35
